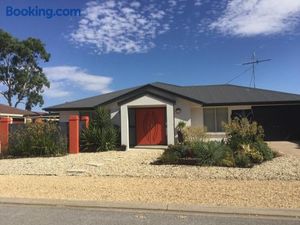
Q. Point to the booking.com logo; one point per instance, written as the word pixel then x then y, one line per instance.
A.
pixel 41 12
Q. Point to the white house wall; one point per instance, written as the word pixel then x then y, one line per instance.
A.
pixel 188 113
pixel 197 117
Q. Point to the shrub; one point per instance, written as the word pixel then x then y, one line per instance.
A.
pixel 37 139
pixel 244 147
pixel 264 150
pixel 253 154
pixel 246 141
pixel 193 134
pixel 241 131
pixel 172 154
pixel 203 153
pixel 242 160
pixel 101 135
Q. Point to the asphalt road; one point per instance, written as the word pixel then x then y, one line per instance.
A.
pixel 42 215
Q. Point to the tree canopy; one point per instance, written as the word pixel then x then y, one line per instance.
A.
pixel 21 78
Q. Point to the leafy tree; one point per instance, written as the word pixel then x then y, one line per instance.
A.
pixel 21 77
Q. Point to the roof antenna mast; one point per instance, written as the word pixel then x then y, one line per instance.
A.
pixel 253 63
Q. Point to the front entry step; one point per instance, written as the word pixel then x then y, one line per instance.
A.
pixel 150 147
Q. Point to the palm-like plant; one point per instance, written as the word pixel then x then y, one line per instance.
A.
pixel 101 135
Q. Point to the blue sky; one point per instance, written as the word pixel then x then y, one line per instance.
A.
pixel 118 44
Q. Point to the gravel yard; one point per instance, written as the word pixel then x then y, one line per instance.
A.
pixel 130 177
pixel 137 163
pixel 233 193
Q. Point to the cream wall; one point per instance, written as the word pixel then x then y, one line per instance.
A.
pixel 191 113
pixel 197 117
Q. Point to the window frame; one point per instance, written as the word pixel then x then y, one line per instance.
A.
pixel 215 118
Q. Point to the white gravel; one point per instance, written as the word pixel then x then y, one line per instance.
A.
pixel 137 163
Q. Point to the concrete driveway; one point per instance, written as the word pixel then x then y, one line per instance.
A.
pixel 286 147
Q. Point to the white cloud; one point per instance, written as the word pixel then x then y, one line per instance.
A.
pixel 120 26
pixel 65 79
pixel 258 17
pixel 198 2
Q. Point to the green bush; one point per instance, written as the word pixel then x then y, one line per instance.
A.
pixel 246 141
pixel 244 147
pixel 241 131
pixel 203 153
pixel 253 154
pixel 37 139
pixel 101 135
pixel 242 160
pixel 264 150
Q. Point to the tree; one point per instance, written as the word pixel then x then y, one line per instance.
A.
pixel 21 78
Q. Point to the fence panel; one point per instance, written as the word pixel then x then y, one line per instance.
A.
pixel 64 131
pixel 14 127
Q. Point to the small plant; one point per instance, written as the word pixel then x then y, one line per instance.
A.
pixel 179 128
pixel 194 134
pixel 101 135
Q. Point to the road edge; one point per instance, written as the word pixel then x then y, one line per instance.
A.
pixel 269 212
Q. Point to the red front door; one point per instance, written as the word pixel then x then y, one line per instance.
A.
pixel 150 126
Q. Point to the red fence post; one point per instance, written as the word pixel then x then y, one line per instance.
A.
pixel 4 133
pixel 74 134
pixel 86 121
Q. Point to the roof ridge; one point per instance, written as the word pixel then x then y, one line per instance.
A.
pixel 164 83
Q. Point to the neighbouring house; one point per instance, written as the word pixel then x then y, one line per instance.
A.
pixel 16 115
pixel 148 114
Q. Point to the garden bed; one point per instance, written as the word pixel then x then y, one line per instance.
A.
pixel 138 163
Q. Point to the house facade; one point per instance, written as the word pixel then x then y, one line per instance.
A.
pixel 149 114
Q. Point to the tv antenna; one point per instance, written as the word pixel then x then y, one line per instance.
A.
pixel 253 63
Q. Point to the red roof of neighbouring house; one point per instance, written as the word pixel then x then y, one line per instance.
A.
pixel 12 110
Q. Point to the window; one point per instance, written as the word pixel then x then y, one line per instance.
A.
pixel 214 118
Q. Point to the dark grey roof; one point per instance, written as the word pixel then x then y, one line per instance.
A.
pixel 90 102
pixel 224 94
pixel 230 94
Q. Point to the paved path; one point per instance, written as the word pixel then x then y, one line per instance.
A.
pixel 37 215
pixel 286 147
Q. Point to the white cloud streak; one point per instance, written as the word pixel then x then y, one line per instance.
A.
pixel 258 17
pixel 120 26
pixel 65 80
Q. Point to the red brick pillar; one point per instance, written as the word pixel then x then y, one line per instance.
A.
pixel 86 121
pixel 74 134
pixel 4 133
